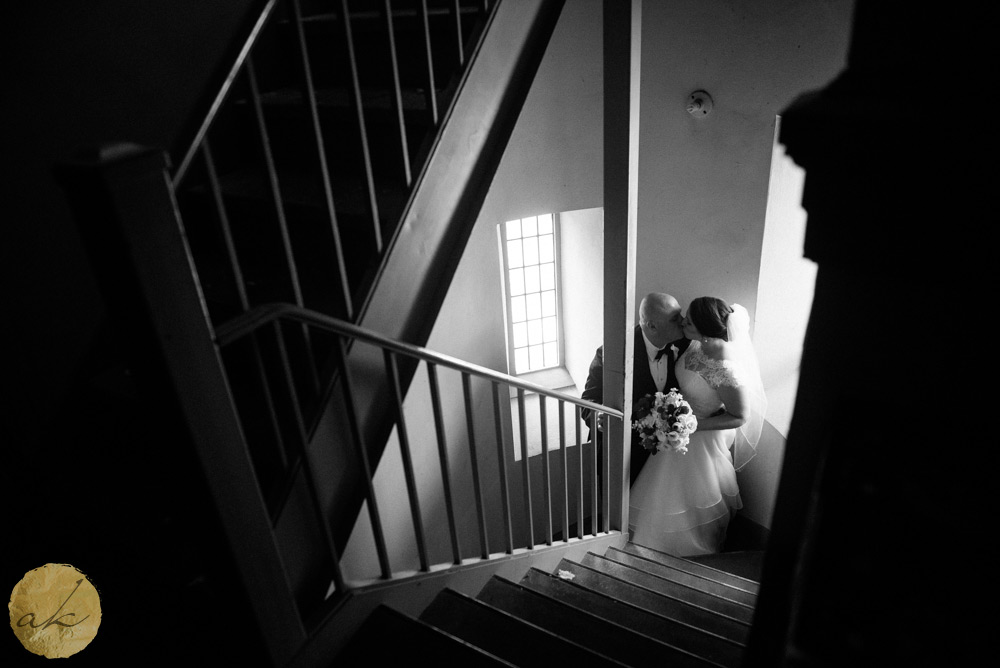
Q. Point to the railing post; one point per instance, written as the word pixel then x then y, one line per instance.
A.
pixel 622 28
pixel 522 417
pixel 564 460
pixel 477 486
pixel 439 428
pixel 546 475
pixel 502 465
pixel 579 474
pixel 124 204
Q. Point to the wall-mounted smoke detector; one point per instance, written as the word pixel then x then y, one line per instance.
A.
pixel 699 104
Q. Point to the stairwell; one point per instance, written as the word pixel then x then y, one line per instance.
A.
pixel 606 625
pixel 260 227
pixel 633 606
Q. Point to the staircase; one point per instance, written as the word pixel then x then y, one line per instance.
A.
pixel 282 265
pixel 628 607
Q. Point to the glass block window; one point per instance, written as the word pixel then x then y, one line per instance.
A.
pixel 531 292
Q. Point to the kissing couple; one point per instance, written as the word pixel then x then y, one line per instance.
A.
pixel 682 503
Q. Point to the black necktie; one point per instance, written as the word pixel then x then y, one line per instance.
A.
pixel 665 350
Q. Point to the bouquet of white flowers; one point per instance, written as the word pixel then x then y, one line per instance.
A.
pixel 664 421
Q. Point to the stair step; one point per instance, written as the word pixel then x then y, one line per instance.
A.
pixel 745 564
pixel 504 635
pixel 694 566
pixel 668 630
pixel 697 597
pixel 668 606
pixel 369 646
pixel 681 577
pixel 617 639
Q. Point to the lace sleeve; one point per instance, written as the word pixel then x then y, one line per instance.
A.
pixel 717 373
pixel 723 373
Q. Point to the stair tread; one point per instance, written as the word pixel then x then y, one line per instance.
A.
pixel 614 634
pixel 652 601
pixel 368 645
pixel 694 566
pixel 668 629
pixel 719 589
pixel 698 597
pixel 492 629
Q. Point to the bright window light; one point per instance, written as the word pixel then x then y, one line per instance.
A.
pixel 529 248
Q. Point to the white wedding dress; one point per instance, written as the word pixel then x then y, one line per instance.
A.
pixel 682 503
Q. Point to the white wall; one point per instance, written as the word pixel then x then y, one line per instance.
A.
pixel 703 183
pixel 582 257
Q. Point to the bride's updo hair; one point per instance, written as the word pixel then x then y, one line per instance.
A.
pixel 709 315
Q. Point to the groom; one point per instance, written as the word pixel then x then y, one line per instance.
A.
pixel 659 339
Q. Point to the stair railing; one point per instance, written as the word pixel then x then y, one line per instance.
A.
pixel 301 59
pixel 237 389
pixel 272 316
pixel 247 432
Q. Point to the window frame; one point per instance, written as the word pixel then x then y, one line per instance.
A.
pixel 507 297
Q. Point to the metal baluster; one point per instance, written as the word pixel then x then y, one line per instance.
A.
pixel 606 469
pixel 358 439
pixel 432 105
pixel 227 234
pixel 579 482
pixel 502 463
pixel 565 469
pixel 456 11
pixel 593 458
pixel 286 240
pixel 397 98
pixel 234 264
pixel 474 460
pixel 338 578
pixel 546 485
pixel 525 470
pixel 310 91
pixel 392 370
pixel 359 109
pixel 443 454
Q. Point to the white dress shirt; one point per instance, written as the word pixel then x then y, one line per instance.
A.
pixel 658 368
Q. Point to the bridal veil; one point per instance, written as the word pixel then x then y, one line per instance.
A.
pixel 738 332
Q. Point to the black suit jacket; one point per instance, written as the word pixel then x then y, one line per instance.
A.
pixel 642 384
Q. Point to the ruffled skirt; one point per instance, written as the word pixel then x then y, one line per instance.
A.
pixel 682 503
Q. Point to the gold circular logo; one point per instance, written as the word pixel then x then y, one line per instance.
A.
pixel 55 611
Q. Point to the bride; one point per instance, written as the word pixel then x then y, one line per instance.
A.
pixel 682 503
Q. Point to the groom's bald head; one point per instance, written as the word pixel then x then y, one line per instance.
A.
pixel 660 318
